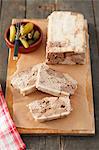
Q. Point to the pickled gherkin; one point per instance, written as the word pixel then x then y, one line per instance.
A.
pixel 24 42
pixel 22 30
pixel 12 33
pixel 25 29
pixel 28 34
pixel 31 41
pixel 36 35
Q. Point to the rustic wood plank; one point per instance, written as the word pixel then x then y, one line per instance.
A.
pixel 52 143
pixel 39 8
pixel 80 143
pixel 0 7
pixel 32 142
pixel 35 142
pixel 96 15
pixel 42 143
pixel 86 8
pixel 10 10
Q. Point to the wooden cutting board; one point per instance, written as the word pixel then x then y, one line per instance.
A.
pixel 79 122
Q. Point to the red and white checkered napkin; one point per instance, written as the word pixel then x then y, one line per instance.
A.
pixel 9 136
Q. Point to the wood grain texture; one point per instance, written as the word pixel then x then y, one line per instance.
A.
pixel 52 143
pixel 39 8
pixel 0 7
pixel 42 142
pixel 32 142
pixel 10 9
pixel 96 17
pixel 80 143
pixel 35 142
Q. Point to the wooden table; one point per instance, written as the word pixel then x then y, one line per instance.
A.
pixel 41 9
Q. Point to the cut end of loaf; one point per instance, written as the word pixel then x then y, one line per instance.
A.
pixel 50 108
pixel 55 83
pixel 24 81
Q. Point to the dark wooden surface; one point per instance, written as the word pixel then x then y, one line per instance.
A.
pixel 41 9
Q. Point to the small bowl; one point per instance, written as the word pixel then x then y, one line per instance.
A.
pixel 31 48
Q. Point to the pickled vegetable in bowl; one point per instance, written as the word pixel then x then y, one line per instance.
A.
pixel 30 36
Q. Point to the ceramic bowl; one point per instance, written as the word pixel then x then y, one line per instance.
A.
pixel 31 48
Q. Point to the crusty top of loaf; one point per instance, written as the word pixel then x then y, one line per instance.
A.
pixel 67 29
